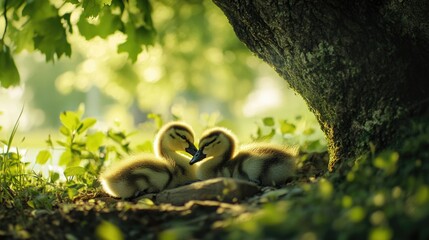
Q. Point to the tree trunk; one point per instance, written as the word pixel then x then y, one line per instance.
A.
pixel 361 66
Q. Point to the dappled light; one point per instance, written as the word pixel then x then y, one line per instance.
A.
pixel 195 119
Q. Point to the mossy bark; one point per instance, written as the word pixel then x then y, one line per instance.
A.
pixel 361 66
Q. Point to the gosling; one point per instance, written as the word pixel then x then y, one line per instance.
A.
pixel 264 164
pixel 170 140
pixel 143 173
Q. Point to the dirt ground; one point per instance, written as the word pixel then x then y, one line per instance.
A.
pixel 137 219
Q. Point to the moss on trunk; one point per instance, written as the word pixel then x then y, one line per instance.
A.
pixel 360 66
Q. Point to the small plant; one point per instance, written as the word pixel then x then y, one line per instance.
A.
pixel 85 151
pixel 291 133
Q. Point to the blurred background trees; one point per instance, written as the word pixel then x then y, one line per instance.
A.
pixel 179 59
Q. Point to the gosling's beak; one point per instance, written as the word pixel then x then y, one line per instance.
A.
pixel 191 149
pixel 199 155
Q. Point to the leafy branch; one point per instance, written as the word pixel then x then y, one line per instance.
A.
pixel 40 26
pixel 5 20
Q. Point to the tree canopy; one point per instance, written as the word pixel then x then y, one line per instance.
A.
pixel 45 26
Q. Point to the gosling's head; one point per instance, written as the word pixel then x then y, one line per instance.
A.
pixel 176 136
pixel 215 142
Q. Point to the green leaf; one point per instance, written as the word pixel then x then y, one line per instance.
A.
pixel 107 25
pixel 74 171
pixel 70 120
pixel 61 143
pixel 268 121
pixel 72 192
pixel 39 10
pixel 91 8
pixel 94 141
pixel 261 137
pixel 9 75
pixel 54 176
pixel 45 29
pixel 116 136
pixel 132 48
pixel 50 38
pixel 108 231
pixel 65 158
pixel 43 157
pixel 23 37
pixel 67 17
pixel 31 204
pixel 286 127
pixel 269 135
pixel 65 131
pixel 140 12
pixel 136 38
pixel 85 124
pixel 146 10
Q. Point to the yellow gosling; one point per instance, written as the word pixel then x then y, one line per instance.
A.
pixel 263 163
pixel 143 173
pixel 172 139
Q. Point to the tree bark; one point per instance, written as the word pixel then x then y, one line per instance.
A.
pixel 361 66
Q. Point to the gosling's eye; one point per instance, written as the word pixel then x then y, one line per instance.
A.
pixel 182 136
pixel 210 143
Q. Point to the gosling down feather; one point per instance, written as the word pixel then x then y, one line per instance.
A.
pixel 265 164
pixel 143 173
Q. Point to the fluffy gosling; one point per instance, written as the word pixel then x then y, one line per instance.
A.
pixel 143 173
pixel 170 140
pixel 265 164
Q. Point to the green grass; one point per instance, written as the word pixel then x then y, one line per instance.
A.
pixel 12 172
pixel 20 188
pixel 384 196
